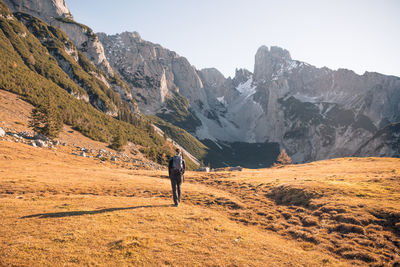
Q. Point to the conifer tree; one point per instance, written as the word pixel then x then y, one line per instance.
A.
pixel 119 141
pixel 283 158
pixel 46 119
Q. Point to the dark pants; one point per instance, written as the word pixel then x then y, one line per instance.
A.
pixel 176 181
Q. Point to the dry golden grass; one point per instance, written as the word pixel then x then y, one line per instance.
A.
pixel 59 209
pixel 348 207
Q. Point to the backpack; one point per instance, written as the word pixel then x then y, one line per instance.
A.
pixel 177 164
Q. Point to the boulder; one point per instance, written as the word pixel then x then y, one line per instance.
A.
pixel 40 136
pixel 2 132
pixel 40 143
pixel 83 154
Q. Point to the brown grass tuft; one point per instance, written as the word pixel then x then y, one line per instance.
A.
pixel 309 221
pixel 288 195
pixel 346 228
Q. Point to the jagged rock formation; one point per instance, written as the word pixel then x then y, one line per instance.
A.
pixel 57 14
pixel 315 113
pixel 384 142
pixel 85 41
pixel 160 79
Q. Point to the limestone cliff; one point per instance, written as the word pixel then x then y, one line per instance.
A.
pixel 56 13
pixel 315 113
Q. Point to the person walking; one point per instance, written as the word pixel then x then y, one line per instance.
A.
pixel 176 169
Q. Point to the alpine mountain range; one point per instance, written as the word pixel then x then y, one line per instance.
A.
pixel 313 113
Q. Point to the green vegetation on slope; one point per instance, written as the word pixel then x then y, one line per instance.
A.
pixel 57 44
pixel 180 114
pixel 185 139
pixel 28 69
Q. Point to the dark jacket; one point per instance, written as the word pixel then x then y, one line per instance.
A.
pixel 171 172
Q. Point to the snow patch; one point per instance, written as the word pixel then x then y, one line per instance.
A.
pixel 304 98
pixel 247 88
pixel 222 100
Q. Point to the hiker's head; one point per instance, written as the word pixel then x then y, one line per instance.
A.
pixel 178 151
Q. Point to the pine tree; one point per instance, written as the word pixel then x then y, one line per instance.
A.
pixel 283 158
pixel 46 119
pixel 119 141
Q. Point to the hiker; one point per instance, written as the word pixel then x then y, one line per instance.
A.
pixel 176 169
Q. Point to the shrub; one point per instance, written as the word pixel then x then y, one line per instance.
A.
pixel 283 158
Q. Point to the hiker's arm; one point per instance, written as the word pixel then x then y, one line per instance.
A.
pixel 169 167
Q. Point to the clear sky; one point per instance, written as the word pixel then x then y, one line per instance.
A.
pixel 362 35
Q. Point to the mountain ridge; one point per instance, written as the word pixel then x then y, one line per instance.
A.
pixel 313 113
pixel 283 101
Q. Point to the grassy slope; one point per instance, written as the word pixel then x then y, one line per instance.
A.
pixel 185 139
pixel 322 213
pixel 19 73
pixel 53 214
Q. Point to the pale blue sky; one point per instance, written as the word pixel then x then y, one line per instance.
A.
pixel 362 35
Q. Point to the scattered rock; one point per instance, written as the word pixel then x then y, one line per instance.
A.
pixel 40 136
pixel 83 154
pixel 56 142
pixel 40 143
pixel 33 144
pixel 24 134
pixel 113 159
pixel 203 169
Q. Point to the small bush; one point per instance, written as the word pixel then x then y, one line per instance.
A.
pixel 283 159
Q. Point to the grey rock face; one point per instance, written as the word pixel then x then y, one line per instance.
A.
pixel 158 77
pixel 44 10
pixel 56 13
pixel 268 62
pixel 384 142
pixel 315 113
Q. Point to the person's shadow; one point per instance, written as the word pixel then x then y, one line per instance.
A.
pixel 85 212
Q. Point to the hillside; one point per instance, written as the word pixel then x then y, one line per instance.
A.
pixel 61 209
pixel 39 61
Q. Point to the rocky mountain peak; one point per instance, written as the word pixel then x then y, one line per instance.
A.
pixel 134 35
pixel 212 77
pixel 43 9
pixel 241 76
pixel 269 61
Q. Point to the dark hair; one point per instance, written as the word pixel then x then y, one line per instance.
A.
pixel 178 150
